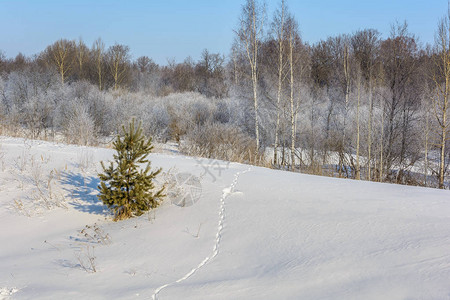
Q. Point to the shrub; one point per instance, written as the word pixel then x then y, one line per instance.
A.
pixel 126 188
pixel 80 128
pixel 221 141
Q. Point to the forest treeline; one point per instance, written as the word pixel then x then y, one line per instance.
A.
pixel 354 105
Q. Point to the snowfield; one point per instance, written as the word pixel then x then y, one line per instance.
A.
pixel 245 233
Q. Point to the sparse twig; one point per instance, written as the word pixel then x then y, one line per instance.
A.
pixel 95 234
pixel 21 161
pixel 198 231
pixel 86 258
pixel 2 159
pixel 20 207
pixel 46 242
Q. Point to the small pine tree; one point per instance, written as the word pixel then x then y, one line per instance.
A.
pixel 125 187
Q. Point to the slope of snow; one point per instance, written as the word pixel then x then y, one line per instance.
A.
pixel 251 233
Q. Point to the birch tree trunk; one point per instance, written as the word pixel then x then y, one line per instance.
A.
pixel 250 34
pixel 280 29
pixel 381 143
pixel 291 98
pixel 358 168
pixel 293 60
pixel 99 49
pixel 442 82
pixel 369 138
pixel 346 65
pixel 427 134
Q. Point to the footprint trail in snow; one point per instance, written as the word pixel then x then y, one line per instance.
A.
pixel 225 193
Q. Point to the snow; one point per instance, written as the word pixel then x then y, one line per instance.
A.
pixel 252 233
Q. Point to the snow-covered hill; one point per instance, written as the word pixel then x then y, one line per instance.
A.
pixel 244 233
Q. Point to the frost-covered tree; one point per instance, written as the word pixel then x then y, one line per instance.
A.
pixel 125 187
pixel 80 128
pixel 249 37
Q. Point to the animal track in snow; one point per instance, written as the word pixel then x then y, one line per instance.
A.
pixel 225 193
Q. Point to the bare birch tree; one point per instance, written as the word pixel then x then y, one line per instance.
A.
pixel 250 35
pixel 82 53
pixel 365 45
pixel 118 58
pixel 347 81
pixel 340 47
pixel 441 79
pixel 293 60
pixel 98 52
pixel 358 105
pixel 426 126
pixel 61 55
pixel 279 28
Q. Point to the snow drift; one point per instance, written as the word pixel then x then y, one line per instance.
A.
pixel 250 233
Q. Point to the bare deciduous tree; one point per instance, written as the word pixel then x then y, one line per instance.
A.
pixel 98 50
pixel 441 79
pixel 2 61
pixel 365 47
pixel 400 65
pixel 118 58
pixel 279 28
pixel 62 55
pixel 294 45
pixel 82 53
pixel 249 36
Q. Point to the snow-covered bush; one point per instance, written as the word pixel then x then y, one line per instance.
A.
pixel 37 115
pixel 81 128
pixel 221 112
pixel 155 119
pixel 220 141
pixel 75 122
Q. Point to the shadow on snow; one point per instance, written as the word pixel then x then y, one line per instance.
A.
pixel 83 192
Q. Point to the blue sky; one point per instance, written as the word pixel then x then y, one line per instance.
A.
pixel 175 29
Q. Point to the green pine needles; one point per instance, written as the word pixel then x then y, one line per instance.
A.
pixel 126 187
